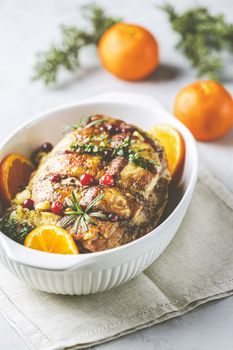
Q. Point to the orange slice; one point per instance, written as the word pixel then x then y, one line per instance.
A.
pixel 15 171
pixel 51 239
pixel 174 146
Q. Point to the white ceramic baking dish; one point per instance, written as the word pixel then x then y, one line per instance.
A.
pixel 96 272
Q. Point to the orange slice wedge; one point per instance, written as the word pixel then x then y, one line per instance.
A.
pixel 174 146
pixel 15 171
pixel 51 239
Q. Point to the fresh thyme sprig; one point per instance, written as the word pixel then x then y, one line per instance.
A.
pixel 66 54
pixel 124 149
pixel 77 216
pixel 89 147
pixel 100 144
pixel 142 162
pixel 203 37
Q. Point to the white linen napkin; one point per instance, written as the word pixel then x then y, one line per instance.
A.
pixel 196 267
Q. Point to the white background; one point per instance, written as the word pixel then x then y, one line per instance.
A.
pixel 28 26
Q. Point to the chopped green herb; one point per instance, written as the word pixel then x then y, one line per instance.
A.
pixel 88 148
pixel 142 162
pixel 123 150
pixel 15 230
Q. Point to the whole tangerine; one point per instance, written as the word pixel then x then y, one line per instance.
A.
pixel 206 108
pixel 128 51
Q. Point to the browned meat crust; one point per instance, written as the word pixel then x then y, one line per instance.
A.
pixel 141 178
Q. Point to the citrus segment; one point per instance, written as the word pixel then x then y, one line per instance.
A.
pixel 173 144
pixel 51 239
pixel 15 171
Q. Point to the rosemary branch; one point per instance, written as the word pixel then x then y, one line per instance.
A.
pixel 203 38
pixel 66 54
pixel 84 123
pixel 77 216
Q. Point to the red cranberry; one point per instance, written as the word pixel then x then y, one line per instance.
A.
pixel 107 180
pixel 46 147
pixel 56 178
pixel 68 151
pixel 28 203
pixel 57 208
pixel 113 217
pixel 113 128
pixel 86 180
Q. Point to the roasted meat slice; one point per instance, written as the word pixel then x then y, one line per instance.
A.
pixel 127 189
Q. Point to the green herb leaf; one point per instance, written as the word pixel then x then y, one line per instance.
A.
pixel 123 150
pixel 94 123
pixel 81 124
pixel 70 203
pixel 88 219
pixel 76 203
pixel 66 54
pixel 14 229
pixel 203 38
pixel 94 202
pixel 67 221
pixel 98 215
pixel 83 224
pixel 79 217
pixel 77 223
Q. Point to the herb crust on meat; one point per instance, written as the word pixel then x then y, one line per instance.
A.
pixel 124 189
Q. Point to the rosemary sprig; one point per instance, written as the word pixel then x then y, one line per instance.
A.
pixel 94 123
pixel 84 124
pixel 203 37
pixel 81 123
pixel 66 54
pixel 77 216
